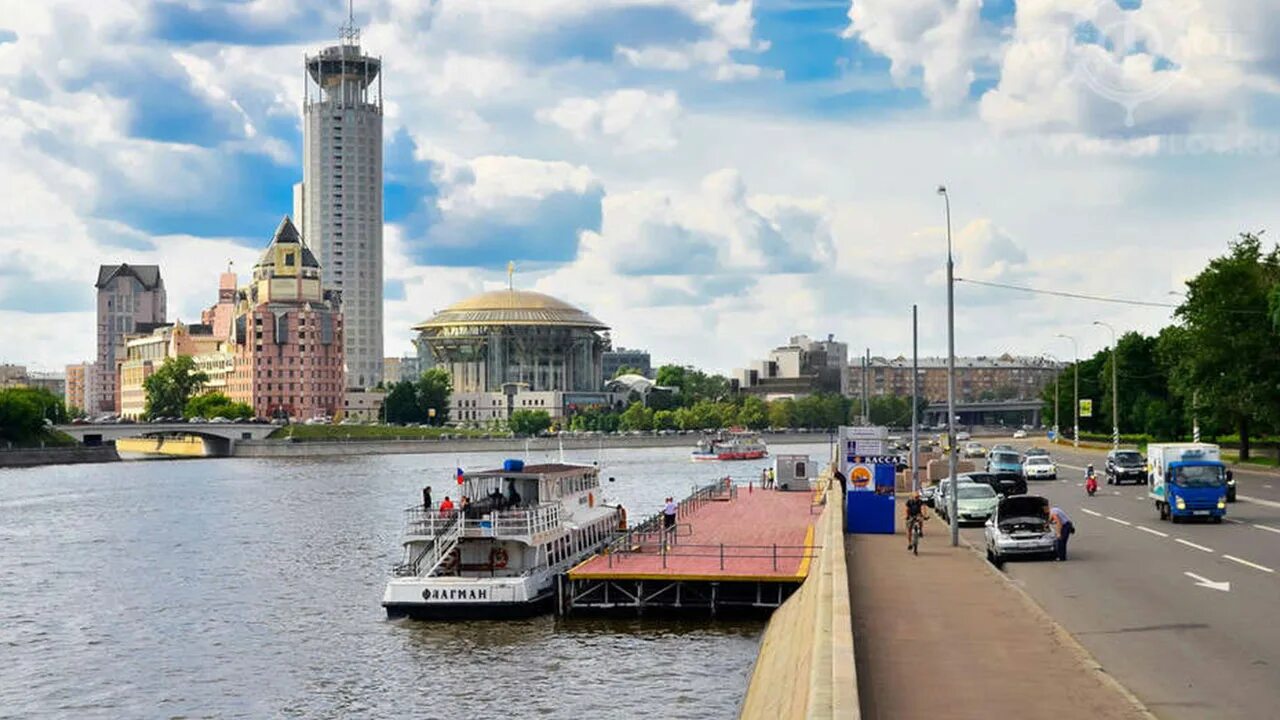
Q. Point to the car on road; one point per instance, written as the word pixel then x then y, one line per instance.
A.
pixel 1125 466
pixel 1004 462
pixel 1039 467
pixel 963 436
pixel 1002 484
pixel 974 450
pixel 1019 434
pixel 1034 452
pixel 927 493
pixel 975 502
pixel 1003 447
pixel 1019 527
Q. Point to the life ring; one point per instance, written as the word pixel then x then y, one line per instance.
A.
pixel 622 518
pixel 591 500
pixel 498 558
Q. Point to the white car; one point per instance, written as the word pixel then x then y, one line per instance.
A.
pixel 1019 434
pixel 1039 467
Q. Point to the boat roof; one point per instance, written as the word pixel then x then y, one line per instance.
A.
pixel 533 471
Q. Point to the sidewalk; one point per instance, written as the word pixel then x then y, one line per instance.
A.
pixel 943 635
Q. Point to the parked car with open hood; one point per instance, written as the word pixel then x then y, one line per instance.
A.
pixel 1020 528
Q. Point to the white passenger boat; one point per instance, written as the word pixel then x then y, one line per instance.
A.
pixel 523 526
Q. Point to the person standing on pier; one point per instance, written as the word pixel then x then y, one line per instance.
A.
pixel 669 514
pixel 426 498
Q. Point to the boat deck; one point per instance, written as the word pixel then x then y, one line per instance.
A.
pixel 753 535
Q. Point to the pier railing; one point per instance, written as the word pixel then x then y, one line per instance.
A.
pixel 727 555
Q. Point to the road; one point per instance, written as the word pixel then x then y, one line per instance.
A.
pixel 1151 599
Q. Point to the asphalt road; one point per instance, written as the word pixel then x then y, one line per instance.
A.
pixel 1189 647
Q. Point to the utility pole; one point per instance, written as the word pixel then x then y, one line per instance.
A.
pixel 1075 347
pixel 1115 388
pixel 1195 416
pixel 915 400
pixel 954 512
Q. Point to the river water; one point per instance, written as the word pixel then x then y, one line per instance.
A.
pixel 251 588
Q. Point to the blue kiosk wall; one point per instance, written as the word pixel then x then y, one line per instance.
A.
pixel 872 510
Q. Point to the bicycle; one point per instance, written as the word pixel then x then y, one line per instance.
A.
pixel 915 529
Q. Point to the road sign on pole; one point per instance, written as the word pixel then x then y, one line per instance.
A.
pixel 1086 408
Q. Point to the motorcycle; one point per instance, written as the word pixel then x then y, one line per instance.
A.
pixel 1091 484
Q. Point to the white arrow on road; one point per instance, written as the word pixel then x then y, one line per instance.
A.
pixel 1204 582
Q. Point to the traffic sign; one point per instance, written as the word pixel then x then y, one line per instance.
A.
pixel 1086 408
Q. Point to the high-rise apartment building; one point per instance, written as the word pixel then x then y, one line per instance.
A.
pixel 80 380
pixel 339 202
pixel 978 379
pixel 131 299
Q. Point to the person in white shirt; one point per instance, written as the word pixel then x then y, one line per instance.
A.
pixel 669 513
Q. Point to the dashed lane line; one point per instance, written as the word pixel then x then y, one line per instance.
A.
pixel 1118 520
pixel 1242 561
pixel 1258 501
pixel 1153 532
pixel 1267 528
pixel 1087 510
pixel 1188 543
pixel 1233 521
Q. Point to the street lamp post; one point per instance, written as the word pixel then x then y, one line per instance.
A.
pixel 1075 362
pixel 1115 388
pixel 954 511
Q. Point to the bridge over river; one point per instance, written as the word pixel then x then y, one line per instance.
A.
pixel 219 438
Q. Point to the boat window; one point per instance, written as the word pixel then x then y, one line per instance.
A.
pixel 799 470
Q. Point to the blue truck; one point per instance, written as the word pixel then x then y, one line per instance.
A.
pixel 1187 480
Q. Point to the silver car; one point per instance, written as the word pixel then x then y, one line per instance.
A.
pixel 1020 528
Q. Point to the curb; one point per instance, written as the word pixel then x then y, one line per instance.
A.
pixel 1082 654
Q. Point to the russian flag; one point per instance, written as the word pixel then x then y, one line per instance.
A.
pixel 461 476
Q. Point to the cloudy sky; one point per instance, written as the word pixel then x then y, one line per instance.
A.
pixel 706 176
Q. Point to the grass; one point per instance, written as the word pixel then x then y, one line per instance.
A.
pixel 306 433
pixel 47 438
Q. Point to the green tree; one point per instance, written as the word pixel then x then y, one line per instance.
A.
pixel 400 405
pixel 1223 350
pixel 21 415
pixel 753 413
pixel 636 417
pixel 782 413
pixel 628 370
pixel 528 423
pixel 215 404
pixel 169 388
pixel 664 420
pixel 433 391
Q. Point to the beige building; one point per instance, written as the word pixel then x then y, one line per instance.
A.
pixel 978 379
pixel 13 375
pixel 363 405
pixel 20 376
pixel 79 385
pixel 131 300
pixel 144 354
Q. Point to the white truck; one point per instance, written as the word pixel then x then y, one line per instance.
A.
pixel 1187 480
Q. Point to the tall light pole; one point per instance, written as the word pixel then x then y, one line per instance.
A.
pixel 1075 363
pixel 954 511
pixel 915 401
pixel 1115 388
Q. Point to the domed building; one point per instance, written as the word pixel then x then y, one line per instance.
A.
pixel 514 349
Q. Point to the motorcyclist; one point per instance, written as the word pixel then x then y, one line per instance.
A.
pixel 1090 480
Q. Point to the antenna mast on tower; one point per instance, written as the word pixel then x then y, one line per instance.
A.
pixel 349 33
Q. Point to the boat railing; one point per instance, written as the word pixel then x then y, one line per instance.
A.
pixel 446 529
pixel 513 522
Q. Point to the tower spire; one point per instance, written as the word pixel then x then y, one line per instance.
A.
pixel 349 33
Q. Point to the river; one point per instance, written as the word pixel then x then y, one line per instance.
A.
pixel 251 588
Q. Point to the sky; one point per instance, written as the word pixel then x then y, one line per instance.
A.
pixel 708 177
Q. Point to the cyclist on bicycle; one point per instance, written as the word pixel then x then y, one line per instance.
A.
pixel 916 515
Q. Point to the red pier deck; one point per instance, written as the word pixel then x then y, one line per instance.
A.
pixel 744 536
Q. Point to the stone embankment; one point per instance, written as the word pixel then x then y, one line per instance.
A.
pixel 32 457
pixel 806 663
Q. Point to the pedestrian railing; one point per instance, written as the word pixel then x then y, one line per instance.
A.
pixel 726 555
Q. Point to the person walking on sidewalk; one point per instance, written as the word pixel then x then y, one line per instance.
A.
pixel 1063 526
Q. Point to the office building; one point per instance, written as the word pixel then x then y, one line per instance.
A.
pixel 339 202
pixel 131 299
pixel 615 360
pixel 799 368
pixel 145 353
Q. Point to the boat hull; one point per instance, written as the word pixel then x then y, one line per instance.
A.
pixel 746 455
pixel 540 605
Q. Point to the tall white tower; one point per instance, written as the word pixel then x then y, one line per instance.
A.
pixel 339 202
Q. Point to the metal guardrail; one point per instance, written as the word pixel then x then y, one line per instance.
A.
pixel 496 523
pixel 725 553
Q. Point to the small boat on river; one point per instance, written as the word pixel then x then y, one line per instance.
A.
pixel 500 556
pixel 731 445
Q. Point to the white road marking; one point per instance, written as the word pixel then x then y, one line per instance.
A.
pixel 1118 520
pixel 1207 583
pixel 1098 514
pixel 1267 528
pixel 1233 521
pixel 1077 484
pixel 1191 544
pixel 1255 566
pixel 1267 487
pixel 1259 501
pixel 1153 532
pixel 1139 497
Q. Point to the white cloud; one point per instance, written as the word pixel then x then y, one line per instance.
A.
pixel 939 38
pixel 631 120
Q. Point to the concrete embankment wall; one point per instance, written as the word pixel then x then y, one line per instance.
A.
pixel 32 457
pixel 806 666
pixel 324 448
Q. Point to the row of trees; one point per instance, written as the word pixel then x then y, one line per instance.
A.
pixel 1219 362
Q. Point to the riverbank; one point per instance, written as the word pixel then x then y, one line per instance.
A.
pixel 319 448
pixel 74 455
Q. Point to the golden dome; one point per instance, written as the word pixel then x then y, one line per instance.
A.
pixel 511 307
